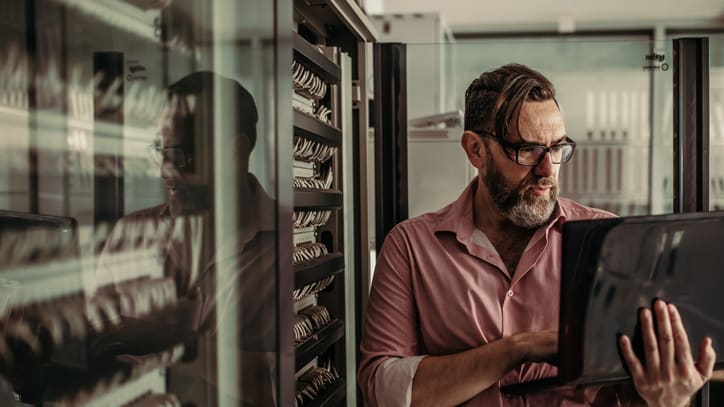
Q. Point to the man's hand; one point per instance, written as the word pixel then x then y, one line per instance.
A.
pixel 669 377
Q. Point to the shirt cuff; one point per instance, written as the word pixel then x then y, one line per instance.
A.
pixel 393 381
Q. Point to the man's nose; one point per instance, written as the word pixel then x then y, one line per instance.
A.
pixel 168 170
pixel 545 168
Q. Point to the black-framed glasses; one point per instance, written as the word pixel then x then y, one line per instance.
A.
pixel 175 155
pixel 533 154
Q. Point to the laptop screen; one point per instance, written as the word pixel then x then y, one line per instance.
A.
pixel 612 267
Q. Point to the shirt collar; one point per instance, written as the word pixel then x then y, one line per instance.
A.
pixel 458 216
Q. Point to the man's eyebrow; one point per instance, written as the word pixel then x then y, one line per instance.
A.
pixel 524 142
pixel 560 140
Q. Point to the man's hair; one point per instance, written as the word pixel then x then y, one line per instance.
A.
pixel 493 100
pixel 202 85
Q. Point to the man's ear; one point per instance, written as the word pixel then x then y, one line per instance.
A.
pixel 475 149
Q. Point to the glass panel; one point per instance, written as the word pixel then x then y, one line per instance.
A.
pixel 716 120
pixel 604 90
pixel 716 115
pixel 138 217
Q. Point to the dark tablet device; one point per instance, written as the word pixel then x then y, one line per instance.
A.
pixel 613 267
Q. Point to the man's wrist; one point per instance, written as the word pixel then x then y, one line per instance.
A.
pixel 516 348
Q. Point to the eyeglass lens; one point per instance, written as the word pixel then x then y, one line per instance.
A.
pixel 174 155
pixel 534 154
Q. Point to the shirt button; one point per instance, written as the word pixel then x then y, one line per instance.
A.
pixel 509 293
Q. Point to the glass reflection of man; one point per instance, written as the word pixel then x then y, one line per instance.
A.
pixel 201 233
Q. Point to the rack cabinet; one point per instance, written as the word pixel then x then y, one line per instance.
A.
pixel 329 46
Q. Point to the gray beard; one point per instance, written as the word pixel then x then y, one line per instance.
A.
pixel 524 211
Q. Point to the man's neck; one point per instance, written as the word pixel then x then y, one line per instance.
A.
pixel 204 203
pixel 490 221
pixel 508 239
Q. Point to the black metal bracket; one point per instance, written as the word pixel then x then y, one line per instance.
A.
pixel 691 125
pixel 390 112
pixel 691 136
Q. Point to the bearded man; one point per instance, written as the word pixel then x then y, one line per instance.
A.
pixel 465 300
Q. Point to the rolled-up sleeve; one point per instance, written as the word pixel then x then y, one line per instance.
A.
pixel 390 346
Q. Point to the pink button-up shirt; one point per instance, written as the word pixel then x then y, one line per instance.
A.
pixel 440 288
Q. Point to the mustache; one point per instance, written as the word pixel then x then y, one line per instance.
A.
pixel 542 182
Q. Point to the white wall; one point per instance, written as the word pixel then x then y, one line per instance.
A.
pixel 471 14
pixel 374 6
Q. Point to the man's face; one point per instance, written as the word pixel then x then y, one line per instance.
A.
pixel 526 195
pixel 180 167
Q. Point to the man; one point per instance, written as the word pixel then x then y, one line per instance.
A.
pixel 464 299
pixel 219 254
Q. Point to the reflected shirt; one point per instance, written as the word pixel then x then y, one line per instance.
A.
pixel 235 272
pixel 441 288
pixel 152 244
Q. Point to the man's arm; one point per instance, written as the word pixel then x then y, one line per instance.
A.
pixel 392 334
pixel 390 338
pixel 453 379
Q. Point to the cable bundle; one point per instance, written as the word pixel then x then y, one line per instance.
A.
pixel 312 384
pixel 324 181
pixel 312 288
pixel 308 150
pixel 308 321
pixel 309 251
pixel 307 83
pixel 36 330
pixel 303 219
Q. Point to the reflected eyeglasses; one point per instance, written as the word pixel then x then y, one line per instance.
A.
pixel 174 155
pixel 532 154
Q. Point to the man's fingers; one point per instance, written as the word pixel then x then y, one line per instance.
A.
pixel 707 358
pixel 651 346
pixel 634 365
pixel 681 339
pixel 665 336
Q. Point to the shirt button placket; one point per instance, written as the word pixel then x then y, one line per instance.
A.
pixel 505 328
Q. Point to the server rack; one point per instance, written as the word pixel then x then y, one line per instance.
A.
pixel 330 125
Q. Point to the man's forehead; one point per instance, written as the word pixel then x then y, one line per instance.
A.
pixel 184 104
pixel 170 119
pixel 171 128
pixel 538 122
pixel 176 109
